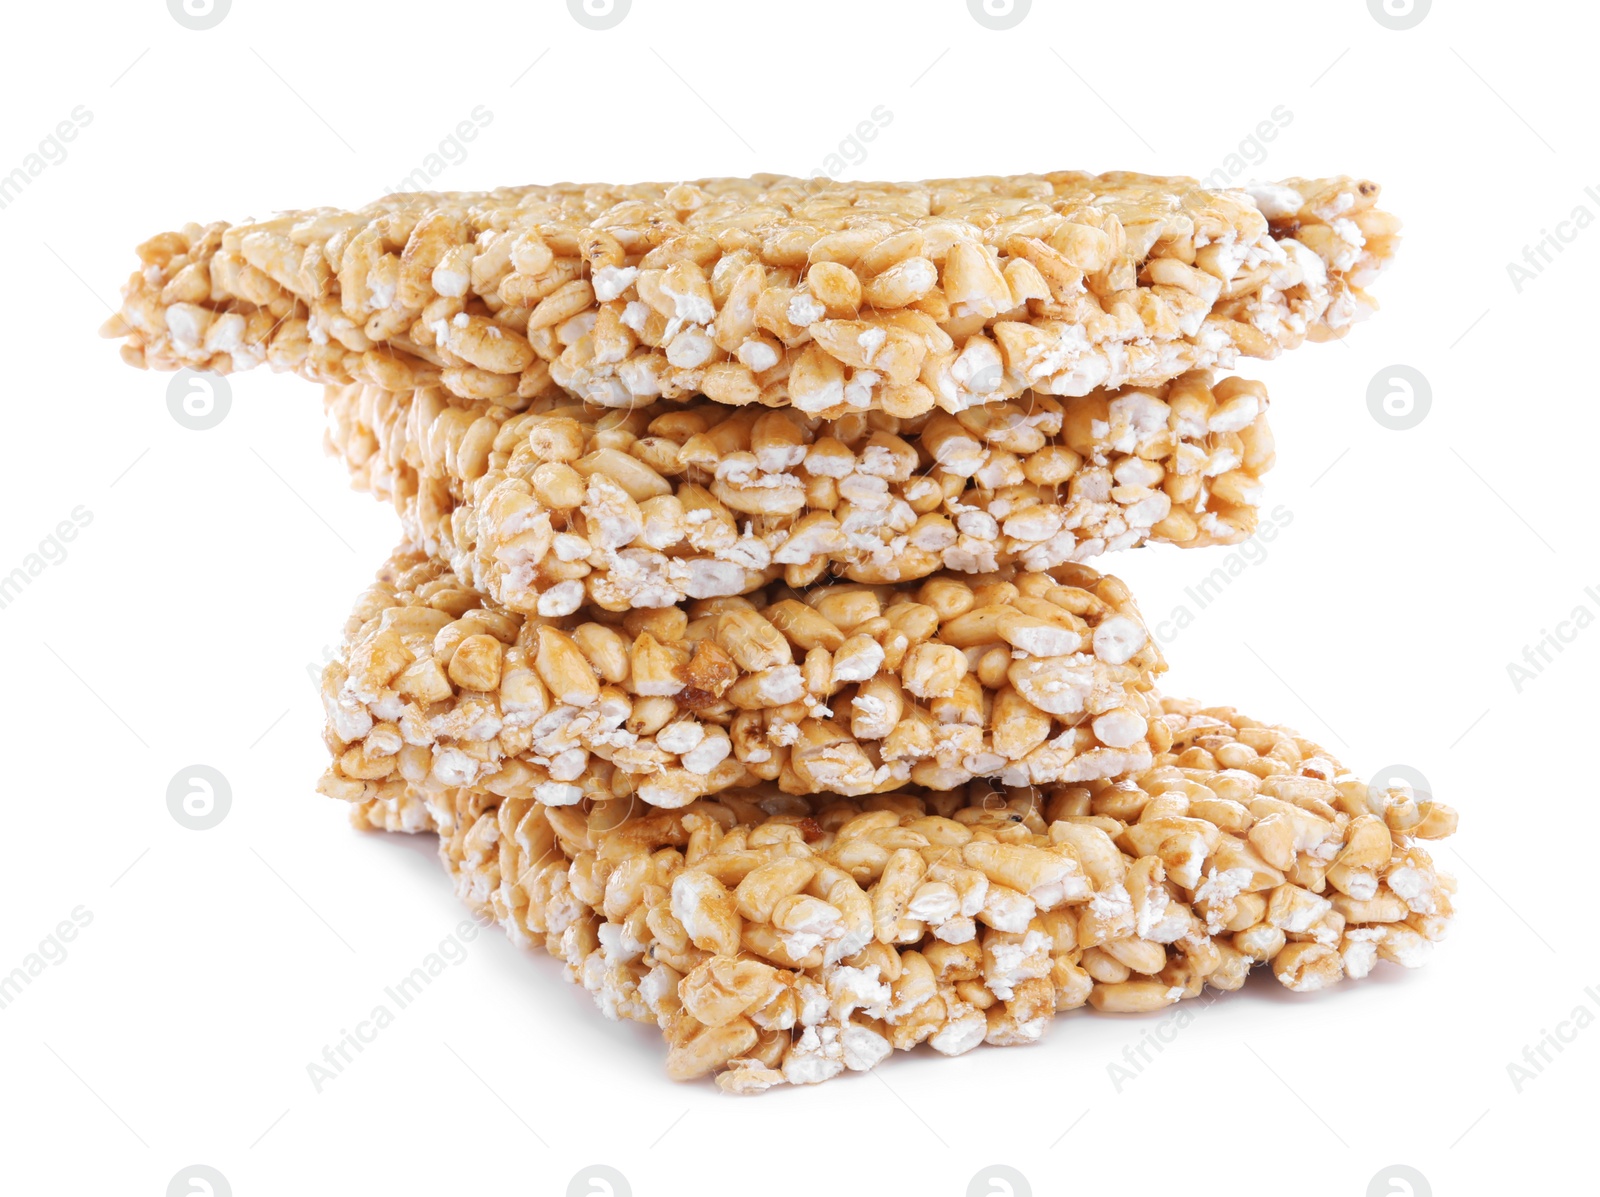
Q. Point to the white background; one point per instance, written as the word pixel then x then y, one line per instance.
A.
pixel 182 625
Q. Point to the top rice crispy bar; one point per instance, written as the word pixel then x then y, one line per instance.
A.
pixel 833 297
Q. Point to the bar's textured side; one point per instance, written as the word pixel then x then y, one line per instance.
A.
pixel 846 688
pixel 833 297
pixel 650 507
pixel 782 939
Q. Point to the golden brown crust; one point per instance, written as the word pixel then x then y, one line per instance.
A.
pixel 835 297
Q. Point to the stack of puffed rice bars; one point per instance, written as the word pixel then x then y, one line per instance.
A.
pixel 741 650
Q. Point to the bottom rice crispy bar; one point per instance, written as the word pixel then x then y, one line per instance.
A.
pixel 777 938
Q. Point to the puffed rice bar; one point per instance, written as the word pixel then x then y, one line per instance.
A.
pixel 782 939
pixel 649 507
pixel 834 297
pixel 846 688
